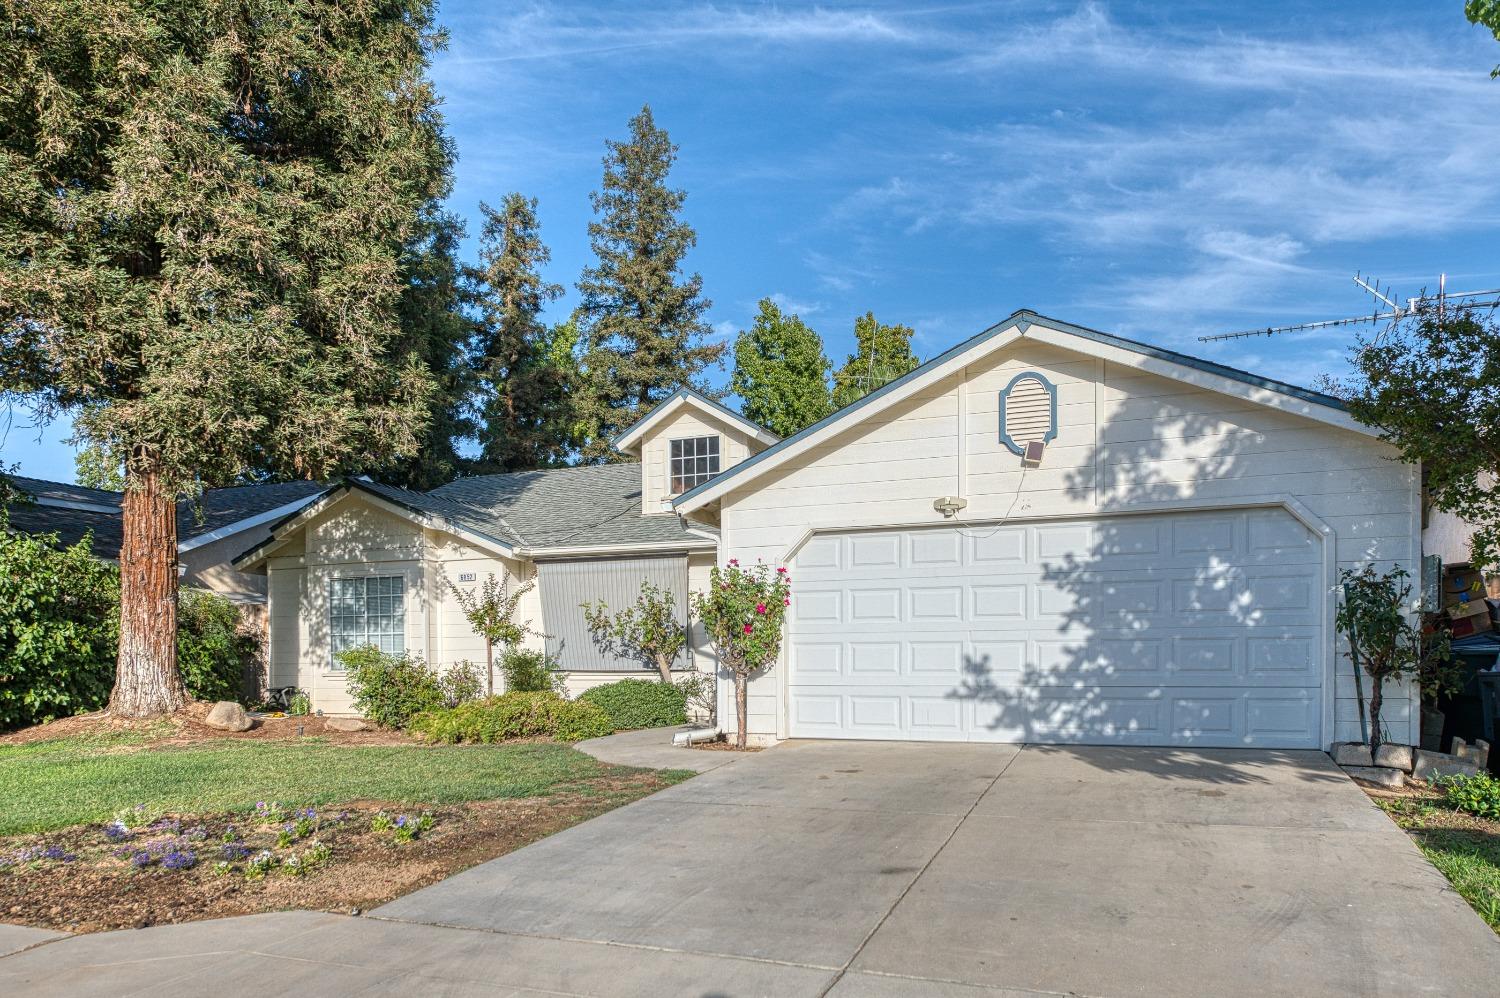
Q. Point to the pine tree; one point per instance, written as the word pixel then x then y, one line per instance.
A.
pixel 437 296
pixel 523 381
pixel 781 372
pixel 200 230
pixel 882 354
pixel 643 333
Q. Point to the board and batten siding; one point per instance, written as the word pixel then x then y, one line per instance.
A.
pixel 1126 441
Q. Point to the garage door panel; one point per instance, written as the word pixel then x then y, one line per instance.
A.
pixel 1131 630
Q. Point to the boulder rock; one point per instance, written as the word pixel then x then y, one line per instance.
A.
pixel 345 724
pixel 1390 779
pixel 1352 754
pixel 227 715
pixel 1427 764
pixel 1394 757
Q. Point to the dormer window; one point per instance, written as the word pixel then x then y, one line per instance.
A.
pixel 694 460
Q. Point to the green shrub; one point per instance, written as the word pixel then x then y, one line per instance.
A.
pixel 390 689
pixel 212 650
pixel 461 683
pixel 59 624
pixel 1478 795
pixel 518 714
pixel 59 630
pixel 530 671
pixel 639 703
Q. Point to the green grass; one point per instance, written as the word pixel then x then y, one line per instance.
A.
pixel 54 784
pixel 1464 849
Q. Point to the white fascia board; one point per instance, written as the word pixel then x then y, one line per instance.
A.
pixel 1206 380
pixel 670 547
pixel 838 423
pixel 261 553
pixel 229 529
pixel 627 441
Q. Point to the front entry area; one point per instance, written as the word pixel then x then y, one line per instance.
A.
pixel 1197 628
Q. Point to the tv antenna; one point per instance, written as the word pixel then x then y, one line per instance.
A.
pixel 1388 308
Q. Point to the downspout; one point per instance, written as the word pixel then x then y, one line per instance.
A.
pixel 685 738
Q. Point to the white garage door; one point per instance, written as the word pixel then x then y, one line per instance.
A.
pixel 1181 629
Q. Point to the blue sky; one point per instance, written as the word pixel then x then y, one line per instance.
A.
pixel 1160 170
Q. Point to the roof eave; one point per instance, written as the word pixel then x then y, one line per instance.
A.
pixel 686 396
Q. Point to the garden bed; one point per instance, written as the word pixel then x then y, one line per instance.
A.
pixel 1464 848
pixel 97 832
pixel 186 727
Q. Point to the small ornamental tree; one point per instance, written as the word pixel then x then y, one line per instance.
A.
pixel 491 611
pixel 744 610
pixel 649 631
pixel 1384 639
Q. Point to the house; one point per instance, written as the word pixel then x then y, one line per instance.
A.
pixel 371 563
pixel 210 529
pixel 1045 534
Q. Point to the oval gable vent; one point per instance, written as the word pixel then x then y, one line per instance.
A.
pixel 1028 411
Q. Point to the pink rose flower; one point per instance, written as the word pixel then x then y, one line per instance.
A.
pixel 734 561
pixel 781 571
pixel 787 601
pixel 760 608
pixel 748 628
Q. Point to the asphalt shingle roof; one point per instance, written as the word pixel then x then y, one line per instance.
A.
pixel 216 508
pixel 595 505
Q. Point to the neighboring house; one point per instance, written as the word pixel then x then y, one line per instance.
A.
pixel 1160 572
pixel 370 563
pixel 210 530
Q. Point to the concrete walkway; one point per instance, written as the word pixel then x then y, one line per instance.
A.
pixel 652 748
pixel 867 870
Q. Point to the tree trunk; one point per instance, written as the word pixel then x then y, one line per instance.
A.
pixel 146 678
pixel 489 667
pixel 664 666
pixel 1376 692
pixel 741 700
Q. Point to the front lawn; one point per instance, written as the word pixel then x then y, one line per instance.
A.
pixel 1464 848
pixel 135 828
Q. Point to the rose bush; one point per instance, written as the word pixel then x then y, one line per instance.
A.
pixel 744 611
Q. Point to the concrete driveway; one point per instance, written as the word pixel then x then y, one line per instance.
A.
pixel 869 869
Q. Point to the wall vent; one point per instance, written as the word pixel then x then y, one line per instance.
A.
pixel 1028 411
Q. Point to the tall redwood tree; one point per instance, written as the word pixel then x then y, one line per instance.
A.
pixel 202 210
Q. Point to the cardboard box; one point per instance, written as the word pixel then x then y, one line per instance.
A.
pixel 1466 619
pixel 1462 585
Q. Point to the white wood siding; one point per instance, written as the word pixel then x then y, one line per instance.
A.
pixel 1126 441
pixel 656 488
pixel 356 538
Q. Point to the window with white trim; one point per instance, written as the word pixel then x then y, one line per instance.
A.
pixel 694 460
pixel 366 611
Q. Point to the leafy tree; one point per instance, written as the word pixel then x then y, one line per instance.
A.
pixel 781 372
pixel 491 611
pixel 1375 616
pixel 1433 389
pixel 643 333
pixel 744 610
pixel 523 381
pixel 881 355
pixel 204 206
pixel 648 630
pixel 436 296
pixel 96 469
pixel 1487 13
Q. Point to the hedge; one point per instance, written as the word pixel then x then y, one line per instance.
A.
pixel 59 632
pixel 639 703
pixel 513 715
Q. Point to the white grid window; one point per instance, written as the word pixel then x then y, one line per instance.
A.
pixel 367 612
pixel 694 461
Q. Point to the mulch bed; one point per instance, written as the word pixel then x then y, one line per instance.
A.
pixel 79 880
pixel 186 727
pixel 720 745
